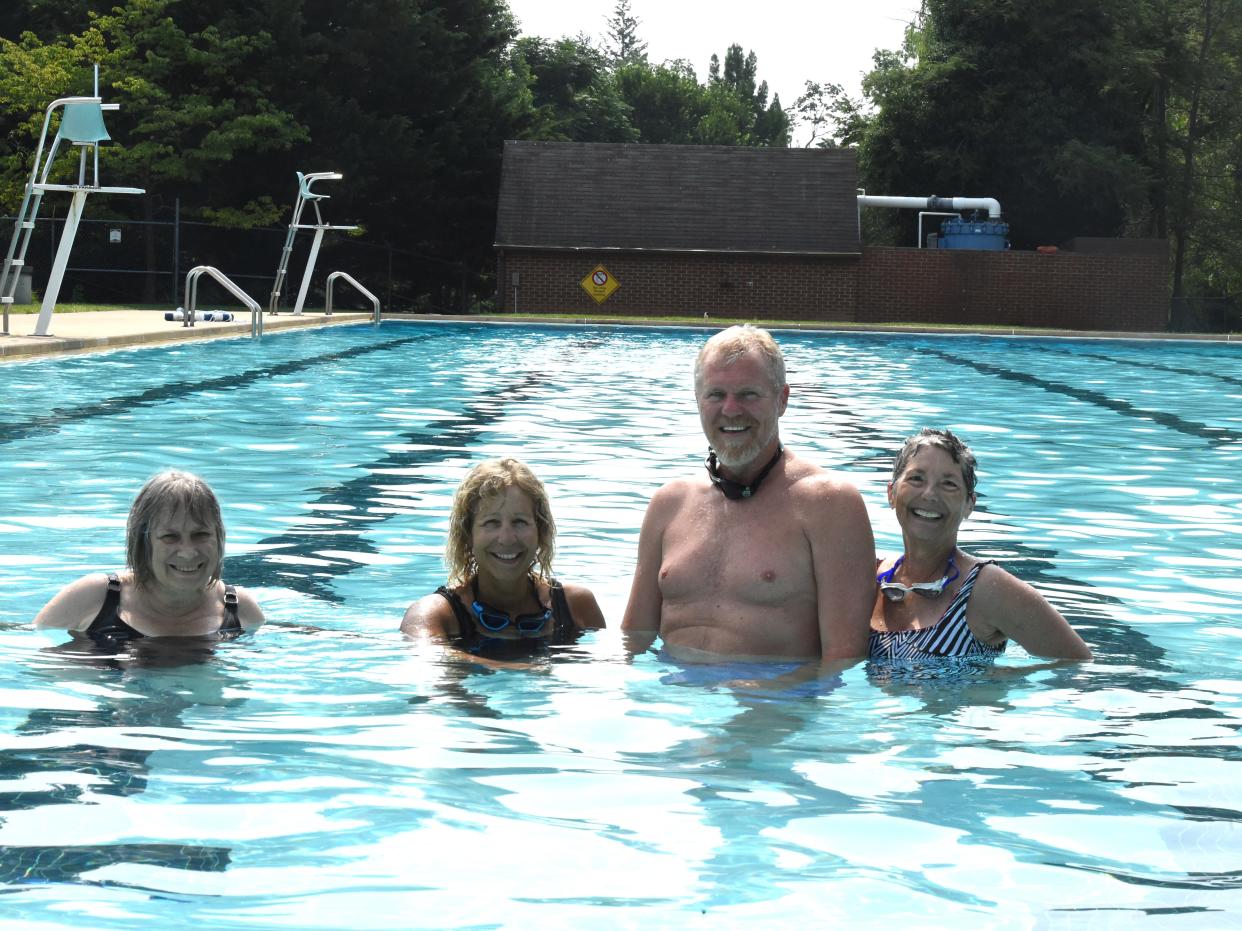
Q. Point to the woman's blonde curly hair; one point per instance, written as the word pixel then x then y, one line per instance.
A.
pixel 486 479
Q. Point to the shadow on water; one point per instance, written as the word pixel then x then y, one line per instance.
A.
pixel 349 501
pixel 77 770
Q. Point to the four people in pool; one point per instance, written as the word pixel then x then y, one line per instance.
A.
pixel 765 557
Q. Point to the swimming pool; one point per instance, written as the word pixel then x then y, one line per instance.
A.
pixel 323 774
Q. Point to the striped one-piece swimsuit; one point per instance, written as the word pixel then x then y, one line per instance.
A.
pixel 949 636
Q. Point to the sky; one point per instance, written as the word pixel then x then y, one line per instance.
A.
pixel 795 41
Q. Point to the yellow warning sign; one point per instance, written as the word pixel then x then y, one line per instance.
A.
pixel 600 284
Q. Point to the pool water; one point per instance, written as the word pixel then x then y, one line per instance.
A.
pixel 326 774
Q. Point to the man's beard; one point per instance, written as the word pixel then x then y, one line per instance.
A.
pixel 735 456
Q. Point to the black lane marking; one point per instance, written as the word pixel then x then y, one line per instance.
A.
pixel 1157 366
pixel 170 391
pixel 1214 436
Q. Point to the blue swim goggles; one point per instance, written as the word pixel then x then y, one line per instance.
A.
pixel 527 625
pixel 895 591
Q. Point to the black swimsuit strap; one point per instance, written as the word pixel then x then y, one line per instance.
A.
pixel 465 623
pixel 560 610
pixel 232 621
pixel 108 621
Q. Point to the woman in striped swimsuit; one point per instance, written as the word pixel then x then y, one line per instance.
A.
pixel 935 599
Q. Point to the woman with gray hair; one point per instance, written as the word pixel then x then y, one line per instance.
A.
pixel 172 587
pixel 501 597
pixel 961 606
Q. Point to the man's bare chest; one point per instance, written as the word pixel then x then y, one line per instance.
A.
pixel 735 551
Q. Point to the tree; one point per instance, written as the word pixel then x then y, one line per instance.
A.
pixel 1118 117
pixel 834 118
pixel 667 103
pixel 571 94
pixel 988 98
pixel 622 46
pixel 222 100
pixel 739 112
pixel 1193 62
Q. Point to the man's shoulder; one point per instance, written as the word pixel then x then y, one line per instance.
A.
pixel 807 478
pixel 680 489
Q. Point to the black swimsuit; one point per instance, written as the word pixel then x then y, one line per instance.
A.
pixel 109 626
pixel 472 637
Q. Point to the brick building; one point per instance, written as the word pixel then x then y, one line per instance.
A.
pixel 768 233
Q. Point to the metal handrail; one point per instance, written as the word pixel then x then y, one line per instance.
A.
pixel 191 297
pixel 327 309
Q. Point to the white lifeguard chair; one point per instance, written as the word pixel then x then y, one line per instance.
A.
pixel 82 125
pixel 305 195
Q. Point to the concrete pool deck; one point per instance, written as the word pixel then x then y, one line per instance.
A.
pixel 88 331
pixel 93 331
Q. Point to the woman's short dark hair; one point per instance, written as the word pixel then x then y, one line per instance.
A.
pixel 168 493
pixel 941 439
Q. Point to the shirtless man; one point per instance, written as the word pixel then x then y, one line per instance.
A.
pixel 766 556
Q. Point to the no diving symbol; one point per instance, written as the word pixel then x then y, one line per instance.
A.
pixel 599 283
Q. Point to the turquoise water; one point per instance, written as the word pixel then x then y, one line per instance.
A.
pixel 324 774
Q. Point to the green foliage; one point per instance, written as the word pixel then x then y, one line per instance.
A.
pixel 987 100
pixel 833 117
pixel 667 103
pixel 223 100
pixel 739 112
pixel 572 95
pixel 27 68
pixel 623 47
pixel 1119 117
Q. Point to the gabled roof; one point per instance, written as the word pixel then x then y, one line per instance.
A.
pixel 678 198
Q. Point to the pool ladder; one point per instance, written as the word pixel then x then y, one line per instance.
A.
pixel 191 297
pixel 375 304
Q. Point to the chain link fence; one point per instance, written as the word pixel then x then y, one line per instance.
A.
pixel 144 262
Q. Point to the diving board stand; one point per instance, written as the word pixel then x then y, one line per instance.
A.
pixel 305 195
pixel 82 125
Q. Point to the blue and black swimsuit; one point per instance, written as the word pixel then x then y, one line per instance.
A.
pixel 472 637
pixel 949 636
pixel 109 627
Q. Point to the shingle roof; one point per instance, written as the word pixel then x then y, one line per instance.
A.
pixel 580 195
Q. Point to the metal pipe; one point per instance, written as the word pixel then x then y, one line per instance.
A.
pixel 990 204
pixel 929 213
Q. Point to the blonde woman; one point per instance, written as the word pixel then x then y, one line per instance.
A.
pixel 501 595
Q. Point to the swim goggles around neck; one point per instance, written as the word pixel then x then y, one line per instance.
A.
pixel 736 490
pixel 527 625
pixel 895 591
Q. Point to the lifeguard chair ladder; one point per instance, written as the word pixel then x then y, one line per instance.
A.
pixel 305 195
pixel 82 125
